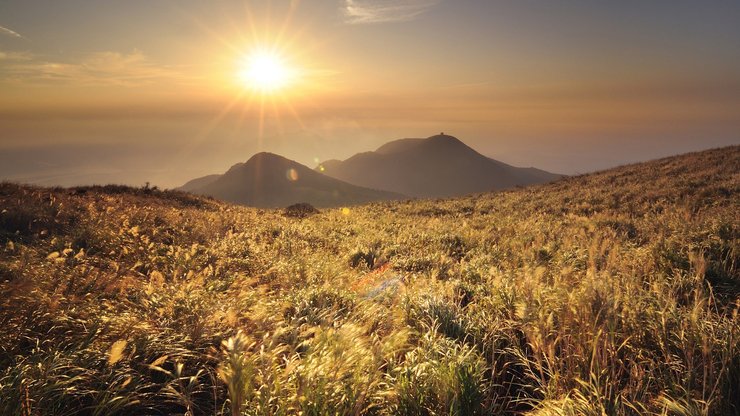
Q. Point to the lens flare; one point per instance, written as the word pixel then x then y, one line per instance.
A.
pixel 291 174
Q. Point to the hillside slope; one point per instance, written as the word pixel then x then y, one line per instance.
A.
pixel 439 166
pixel 610 293
pixel 198 183
pixel 267 180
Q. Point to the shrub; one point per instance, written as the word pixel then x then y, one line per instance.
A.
pixel 300 210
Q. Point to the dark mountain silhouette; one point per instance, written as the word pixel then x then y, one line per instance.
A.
pixel 268 180
pixel 199 183
pixel 438 166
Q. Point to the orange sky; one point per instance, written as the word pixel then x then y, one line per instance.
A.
pixel 150 91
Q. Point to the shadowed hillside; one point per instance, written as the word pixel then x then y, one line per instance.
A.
pixel 198 183
pixel 439 166
pixel 612 293
pixel 269 180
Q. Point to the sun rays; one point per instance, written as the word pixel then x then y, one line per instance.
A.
pixel 264 73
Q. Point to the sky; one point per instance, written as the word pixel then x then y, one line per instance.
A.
pixel 108 91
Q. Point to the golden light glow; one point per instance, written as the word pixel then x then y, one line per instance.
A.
pixel 265 71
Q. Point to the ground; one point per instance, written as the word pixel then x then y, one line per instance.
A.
pixel 610 293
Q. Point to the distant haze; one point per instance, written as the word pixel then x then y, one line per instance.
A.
pixel 135 92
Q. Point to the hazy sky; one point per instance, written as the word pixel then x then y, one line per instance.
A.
pixel 98 91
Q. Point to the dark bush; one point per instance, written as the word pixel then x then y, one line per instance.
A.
pixel 300 210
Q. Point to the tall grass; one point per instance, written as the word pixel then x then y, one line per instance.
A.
pixel 615 293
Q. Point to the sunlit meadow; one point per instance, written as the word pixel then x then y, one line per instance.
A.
pixel 614 293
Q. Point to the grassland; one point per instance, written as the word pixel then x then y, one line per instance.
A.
pixel 614 293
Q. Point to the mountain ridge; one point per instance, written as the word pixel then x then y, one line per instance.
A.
pixel 268 180
pixel 438 166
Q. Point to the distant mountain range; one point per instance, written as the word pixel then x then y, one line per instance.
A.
pixel 438 166
pixel 268 180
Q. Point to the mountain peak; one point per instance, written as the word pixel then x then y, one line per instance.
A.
pixel 444 138
pixel 445 142
pixel 437 166
pixel 270 180
pixel 266 164
pixel 265 156
pixel 406 145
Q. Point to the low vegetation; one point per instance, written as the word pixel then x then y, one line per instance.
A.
pixel 615 293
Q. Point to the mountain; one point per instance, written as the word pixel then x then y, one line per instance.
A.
pixel 196 183
pixel 268 180
pixel 438 166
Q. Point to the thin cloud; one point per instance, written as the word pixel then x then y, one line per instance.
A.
pixel 15 56
pixel 382 11
pixel 7 32
pixel 102 68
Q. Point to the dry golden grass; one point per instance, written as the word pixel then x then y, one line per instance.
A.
pixel 612 293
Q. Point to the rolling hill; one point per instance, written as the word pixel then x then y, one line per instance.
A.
pixel 614 293
pixel 438 166
pixel 197 183
pixel 268 180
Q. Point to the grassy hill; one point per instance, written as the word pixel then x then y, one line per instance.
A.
pixel 610 293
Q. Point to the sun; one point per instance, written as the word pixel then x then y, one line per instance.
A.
pixel 265 71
